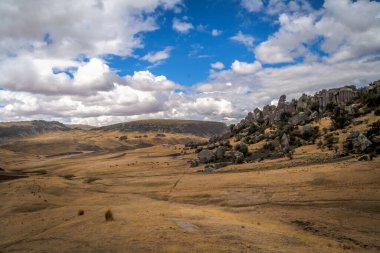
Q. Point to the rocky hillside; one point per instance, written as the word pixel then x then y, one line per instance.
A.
pixel 200 128
pixel 281 129
pixel 25 128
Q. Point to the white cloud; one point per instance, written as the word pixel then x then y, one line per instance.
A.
pixel 182 26
pixel 146 81
pixel 277 7
pixel 25 73
pixel 252 5
pixel 288 43
pixel 346 29
pixel 216 32
pixel 245 68
pixel 76 27
pixel 217 65
pixel 66 76
pixel 154 57
pixel 245 39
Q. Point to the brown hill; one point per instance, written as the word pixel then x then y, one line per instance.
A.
pixel 196 127
pixel 26 128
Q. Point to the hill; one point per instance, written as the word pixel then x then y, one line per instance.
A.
pixel 26 128
pixel 195 127
pixel 343 120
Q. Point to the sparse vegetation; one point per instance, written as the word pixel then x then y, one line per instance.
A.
pixel 108 215
pixel 340 118
pixel 68 176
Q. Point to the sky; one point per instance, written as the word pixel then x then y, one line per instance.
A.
pixel 101 62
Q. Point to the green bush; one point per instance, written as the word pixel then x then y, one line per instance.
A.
pixel 340 118
pixel 372 100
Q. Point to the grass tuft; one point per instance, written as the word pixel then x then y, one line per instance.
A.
pixel 108 215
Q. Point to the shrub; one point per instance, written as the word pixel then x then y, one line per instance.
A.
pixel 377 111
pixel 252 129
pixel 374 129
pixel 108 215
pixel 372 100
pixel 330 107
pixel 231 127
pixel 80 212
pixel 269 146
pixel 242 147
pixel 284 117
pixel 314 106
pixel 330 140
pixel 123 138
pixel 290 154
pixel 68 176
pixel 340 118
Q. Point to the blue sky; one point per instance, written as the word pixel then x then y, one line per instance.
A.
pixel 101 62
pixel 194 51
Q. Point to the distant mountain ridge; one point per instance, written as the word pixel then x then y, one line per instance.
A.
pixel 26 128
pixel 200 128
pixel 196 127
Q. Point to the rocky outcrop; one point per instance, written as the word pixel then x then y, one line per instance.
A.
pixel 289 125
pixel 340 97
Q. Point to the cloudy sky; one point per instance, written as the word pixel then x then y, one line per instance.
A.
pixel 106 61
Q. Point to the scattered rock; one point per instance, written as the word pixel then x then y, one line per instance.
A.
pixel 194 163
pixel 219 153
pixel 356 122
pixel 366 157
pixel 206 156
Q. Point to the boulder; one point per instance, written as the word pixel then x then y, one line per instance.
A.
pixel 313 115
pixel 225 143
pixel 259 137
pixel 211 146
pixel 208 168
pixel 239 157
pixel 199 149
pixel 219 153
pixel 362 142
pixel 299 119
pixel 242 147
pixel 366 157
pixel 214 166
pixel 206 156
pixel 357 143
pixel 194 163
pixel 356 122
pixel 285 142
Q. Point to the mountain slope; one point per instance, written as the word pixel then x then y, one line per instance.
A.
pixel 201 128
pixel 26 128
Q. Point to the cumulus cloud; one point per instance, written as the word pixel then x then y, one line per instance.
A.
pixel 182 26
pixel 56 70
pixel 252 5
pixel 245 39
pixel 244 67
pixel 217 65
pixel 56 76
pixel 341 36
pixel 146 81
pixel 76 27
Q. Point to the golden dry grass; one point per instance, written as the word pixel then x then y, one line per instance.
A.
pixel 308 204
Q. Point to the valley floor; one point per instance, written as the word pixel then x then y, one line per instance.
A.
pixel 159 204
